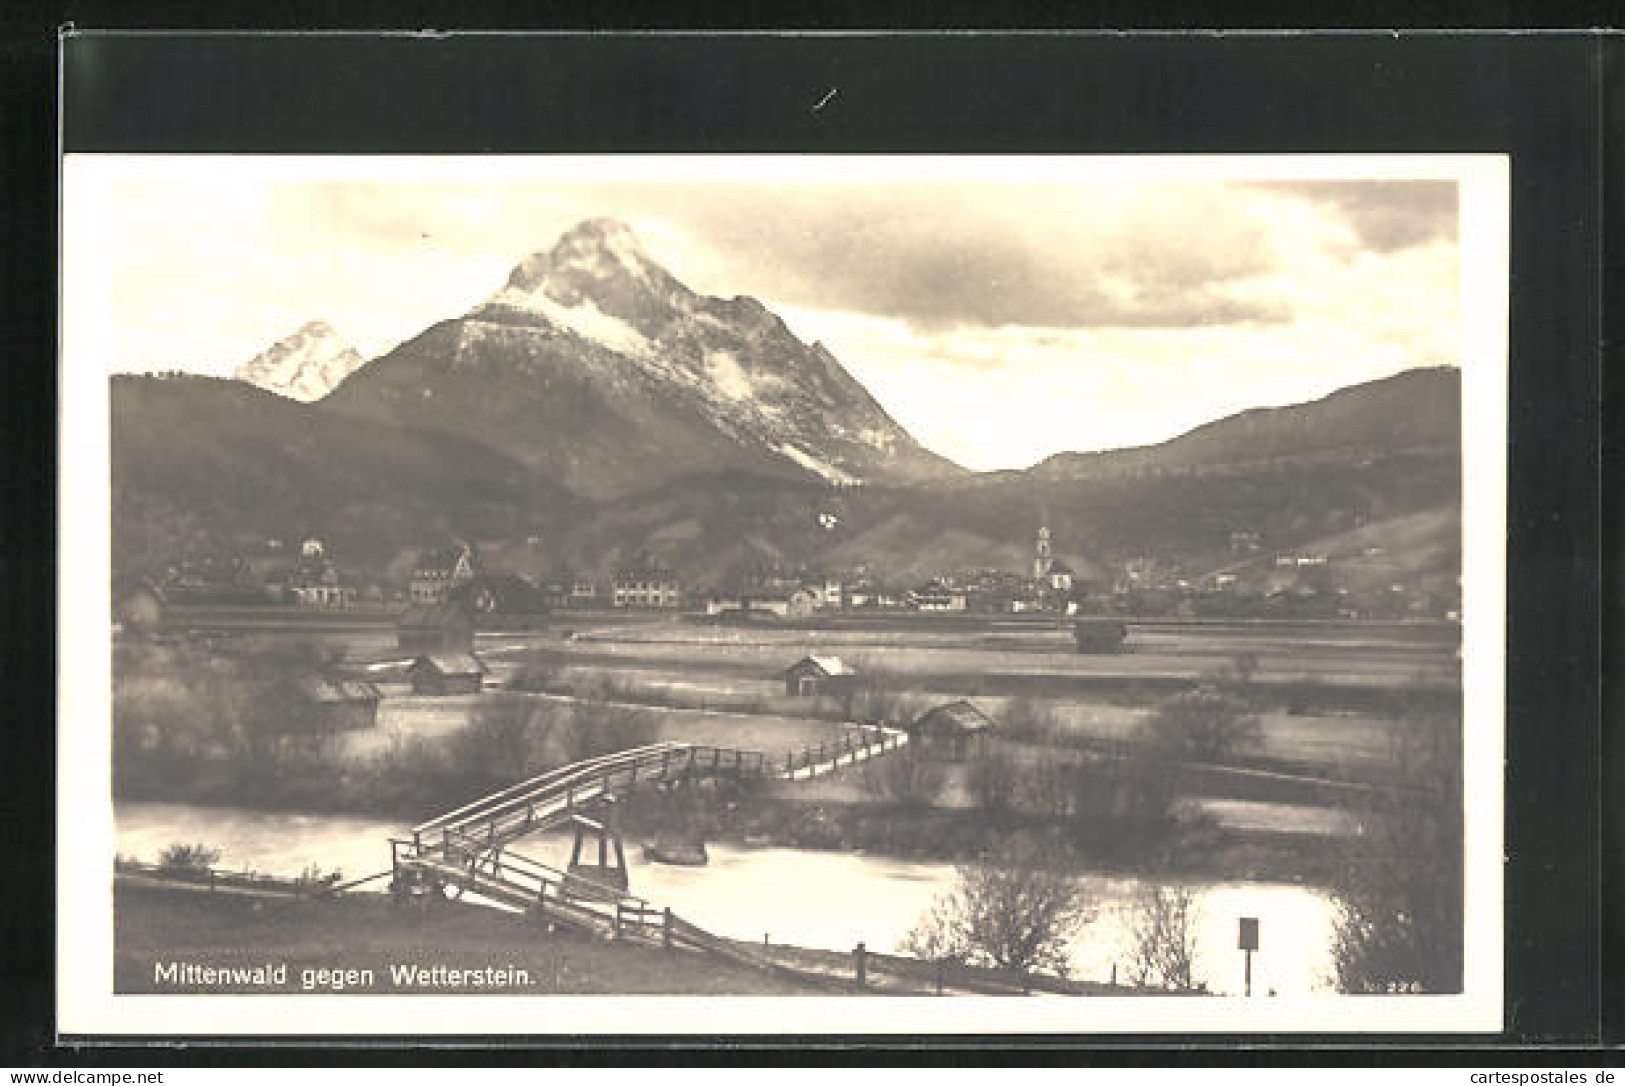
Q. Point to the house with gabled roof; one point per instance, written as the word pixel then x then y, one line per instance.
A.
pixel 440 674
pixel 439 570
pixel 956 731
pixel 815 676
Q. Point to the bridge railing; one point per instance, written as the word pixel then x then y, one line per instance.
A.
pixel 538 802
pixel 470 811
pixel 866 740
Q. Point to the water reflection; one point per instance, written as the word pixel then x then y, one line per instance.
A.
pixel 831 900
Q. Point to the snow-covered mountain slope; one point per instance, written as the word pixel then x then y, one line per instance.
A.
pixel 304 366
pixel 594 363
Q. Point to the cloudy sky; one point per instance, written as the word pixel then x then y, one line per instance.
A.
pixel 1000 313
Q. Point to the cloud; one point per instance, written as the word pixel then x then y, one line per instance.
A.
pixel 999 320
pixel 1385 216
pixel 1044 256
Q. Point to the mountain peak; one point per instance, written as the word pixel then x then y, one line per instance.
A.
pixel 304 366
pixel 592 252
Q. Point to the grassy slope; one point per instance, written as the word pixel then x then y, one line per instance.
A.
pixel 154 925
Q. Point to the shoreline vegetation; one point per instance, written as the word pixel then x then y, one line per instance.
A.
pixel 1112 791
pixel 199 726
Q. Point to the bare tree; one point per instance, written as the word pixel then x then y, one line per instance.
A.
pixel 1017 916
pixel 1164 935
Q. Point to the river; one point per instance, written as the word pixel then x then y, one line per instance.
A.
pixel 831 900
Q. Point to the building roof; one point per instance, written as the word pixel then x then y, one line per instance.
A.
pixel 830 665
pixel 960 715
pixel 322 689
pixel 452 663
pixel 434 617
pixel 643 573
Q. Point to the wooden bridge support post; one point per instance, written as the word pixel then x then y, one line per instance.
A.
pixel 860 965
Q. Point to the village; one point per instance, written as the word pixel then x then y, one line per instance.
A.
pixel 509 581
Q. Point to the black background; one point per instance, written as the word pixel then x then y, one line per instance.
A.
pixel 1540 98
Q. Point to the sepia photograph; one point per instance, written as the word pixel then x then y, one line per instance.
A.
pixel 613 594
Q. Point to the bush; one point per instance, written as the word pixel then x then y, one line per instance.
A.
pixel 905 777
pixel 1203 725
pixel 993 782
pixel 182 857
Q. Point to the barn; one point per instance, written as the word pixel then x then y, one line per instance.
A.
pixel 813 676
pixel 955 732
pixel 440 674
pixel 338 704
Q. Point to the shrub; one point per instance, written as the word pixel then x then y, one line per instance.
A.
pixel 993 782
pixel 905 777
pixel 1203 724
pixel 183 857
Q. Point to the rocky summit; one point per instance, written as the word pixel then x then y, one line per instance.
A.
pixel 597 366
pixel 304 366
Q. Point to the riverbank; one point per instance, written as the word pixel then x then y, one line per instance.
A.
pixel 1193 850
pixel 176 941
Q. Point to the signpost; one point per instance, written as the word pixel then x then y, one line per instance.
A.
pixel 1247 940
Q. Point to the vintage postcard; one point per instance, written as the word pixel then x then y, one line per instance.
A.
pixel 681 595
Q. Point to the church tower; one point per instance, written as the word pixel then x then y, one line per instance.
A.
pixel 1042 558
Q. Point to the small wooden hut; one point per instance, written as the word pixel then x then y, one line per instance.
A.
pixel 955 732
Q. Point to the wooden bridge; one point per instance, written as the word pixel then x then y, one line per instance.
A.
pixel 467 849
pixel 555 797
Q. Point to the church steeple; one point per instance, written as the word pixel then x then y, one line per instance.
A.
pixel 1042 558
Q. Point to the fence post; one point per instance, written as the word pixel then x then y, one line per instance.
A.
pixel 665 928
pixel 860 965
pixel 616 923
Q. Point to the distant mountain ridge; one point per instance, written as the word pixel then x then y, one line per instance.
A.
pixel 595 402
pixel 305 365
pixel 598 368
pixel 1415 409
